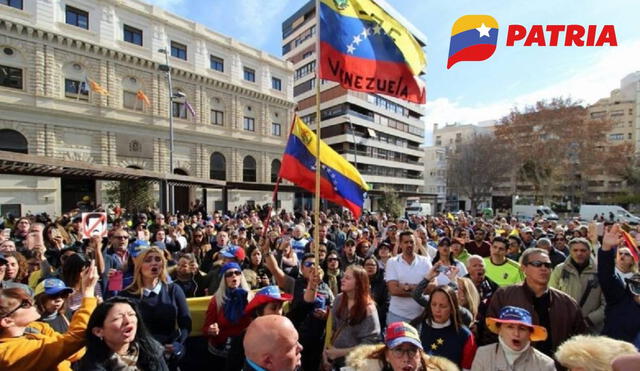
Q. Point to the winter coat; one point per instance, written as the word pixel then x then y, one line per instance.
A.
pixel 491 358
pixel 359 360
pixel 565 277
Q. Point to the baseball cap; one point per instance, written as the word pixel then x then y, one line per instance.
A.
pixel 527 230
pixel 401 332
pixel 52 286
pixel 233 252
pixel 137 247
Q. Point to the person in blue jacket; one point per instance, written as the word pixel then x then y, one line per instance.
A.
pixel 622 310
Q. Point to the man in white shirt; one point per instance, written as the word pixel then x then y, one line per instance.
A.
pixel 402 274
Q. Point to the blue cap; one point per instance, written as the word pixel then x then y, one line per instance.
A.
pixel 52 286
pixel 230 265
pixel 233 252
pixel 137 247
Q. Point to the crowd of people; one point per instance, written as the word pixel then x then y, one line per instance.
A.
pixel 252 290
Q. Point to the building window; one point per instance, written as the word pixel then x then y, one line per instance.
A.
pixel 616 136
pixel 179 110
pixel 75 89
pixel 178 50
pixel 275 170
pixel 249 74
pixel 217 117
pixel 249 124
pixel 217 167
pixel 249 169
pixel 12 3
pixel 131 101
pixel 77 17
pixel 132 35
pixel 11 77
pixel 217 63
pixel 276 84
pixel 13 141
pixel 276 129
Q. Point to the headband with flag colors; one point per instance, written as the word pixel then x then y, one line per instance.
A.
pixel 340 181
pixel 365 49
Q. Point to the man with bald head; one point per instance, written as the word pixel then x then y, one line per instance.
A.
pixel 271 344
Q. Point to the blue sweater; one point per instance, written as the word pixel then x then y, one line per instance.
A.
pixel 621 313
pixel 165 315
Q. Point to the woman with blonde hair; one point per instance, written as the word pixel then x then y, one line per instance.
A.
pixel 592 353
pixel 226 315
pixel 468 296
pixel 162 305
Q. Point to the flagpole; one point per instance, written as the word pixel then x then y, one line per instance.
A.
pixel 316 204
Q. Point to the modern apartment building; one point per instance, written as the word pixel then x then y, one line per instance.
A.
pixel 380 135
pixel 50 53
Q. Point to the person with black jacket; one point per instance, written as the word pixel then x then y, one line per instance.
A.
pixel 379 290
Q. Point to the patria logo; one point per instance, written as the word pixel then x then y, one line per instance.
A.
pixel 474 37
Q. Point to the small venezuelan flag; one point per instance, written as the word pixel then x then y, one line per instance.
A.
pixel 473 38
pixel 340 182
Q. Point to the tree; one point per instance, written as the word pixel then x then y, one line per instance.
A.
pixel 474 168
pixel 556 146
pixel 133 195
pixel 390 202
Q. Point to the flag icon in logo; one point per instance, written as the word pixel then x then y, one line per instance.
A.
pixel 473 38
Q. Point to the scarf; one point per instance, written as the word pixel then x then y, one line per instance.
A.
pixel 235 300
pixel 127 362
pixel 509 354
pixel 333 281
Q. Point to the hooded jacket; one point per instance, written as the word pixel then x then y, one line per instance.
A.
pixel 360 360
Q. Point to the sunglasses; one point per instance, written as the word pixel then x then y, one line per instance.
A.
pixel 24 305
pixel 539 264
pixel 332 259
pixel 624 253
pixel 400 352
pixel 309 264
pixel 232 273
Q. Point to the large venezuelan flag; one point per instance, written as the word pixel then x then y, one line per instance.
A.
pixel 473 38
pixel 340 182
pixel 365 49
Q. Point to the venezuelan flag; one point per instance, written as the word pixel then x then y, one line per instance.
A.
pixel 473 38
pixel 340 182
pixel 365 49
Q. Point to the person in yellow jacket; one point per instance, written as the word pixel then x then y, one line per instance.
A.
pixel 29 345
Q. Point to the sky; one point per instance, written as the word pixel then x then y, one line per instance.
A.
pixel 469 92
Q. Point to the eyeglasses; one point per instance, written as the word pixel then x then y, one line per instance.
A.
pixel 332 259
pixel 538 264
pixel 24 305
pixel 400 352
pixel 624 253
pixel 232 273
pixel 309 264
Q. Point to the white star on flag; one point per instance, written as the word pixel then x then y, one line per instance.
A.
pixel 350 48
pixel 484 30
pixel 357 39
pixel 376 29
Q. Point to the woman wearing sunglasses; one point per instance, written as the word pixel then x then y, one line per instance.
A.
pixel 29 345
pixel 162 304
pixel 225 316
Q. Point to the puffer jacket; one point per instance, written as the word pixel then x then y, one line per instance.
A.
pixel 491 358
pixel 565 277
pixel 360 360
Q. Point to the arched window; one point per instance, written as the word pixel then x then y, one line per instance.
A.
pixel 217 166
pixel 275 170
pixel 249 169
pixel 12 141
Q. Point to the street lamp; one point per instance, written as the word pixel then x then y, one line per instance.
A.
pixel 166 68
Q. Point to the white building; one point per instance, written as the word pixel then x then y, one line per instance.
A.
pixel 242 98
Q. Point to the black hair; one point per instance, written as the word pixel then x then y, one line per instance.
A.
pixel 501 239
pixel 73 266
pixel 98 353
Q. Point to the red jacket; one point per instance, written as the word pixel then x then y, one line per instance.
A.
pixel 227 329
